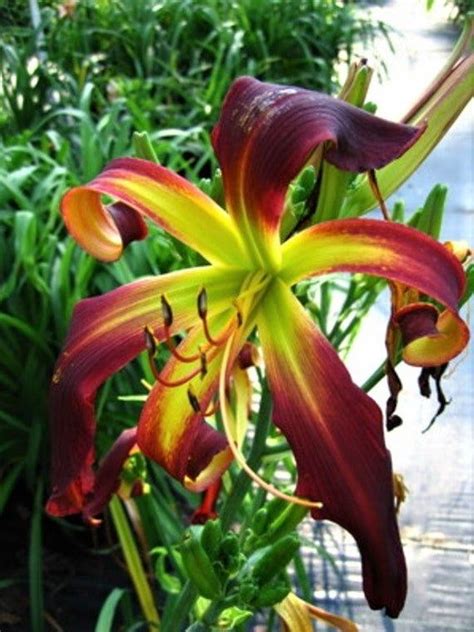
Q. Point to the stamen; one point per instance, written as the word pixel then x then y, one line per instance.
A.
pixel 193 400
pixel 167 314
pixel 174 351
pixel 151 349
pixel 377 194
pixel 166 311
pixel 239 457
pixel 202 311
pixel 203 359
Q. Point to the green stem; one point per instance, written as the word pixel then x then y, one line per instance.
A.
pixel 134 564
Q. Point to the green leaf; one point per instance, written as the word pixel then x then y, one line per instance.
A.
pixel 8 482
pixel 168 582
pixel 107 612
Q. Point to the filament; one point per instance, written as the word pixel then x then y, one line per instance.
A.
pixel 174 351
pixel 151 350
pixel 377 194
pixel 239 457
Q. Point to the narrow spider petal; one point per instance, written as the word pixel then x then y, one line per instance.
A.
pixel 384 249
pixel 335 431
pixel 105 334
pixel 172 432
pixel 265 135
pixel 107 478
pixel 157 193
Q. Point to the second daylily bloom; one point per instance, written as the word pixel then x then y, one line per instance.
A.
pixel 265 135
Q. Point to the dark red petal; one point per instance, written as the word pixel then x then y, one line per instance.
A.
pixel 266 133
pixel 108 475
pixel 129 222
pixel 416 321
pixel 336 433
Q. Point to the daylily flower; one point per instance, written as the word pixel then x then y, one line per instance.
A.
pixel 265 135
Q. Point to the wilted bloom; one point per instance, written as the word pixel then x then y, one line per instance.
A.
pixel 430 337
pixel 297 615
pixel 265 135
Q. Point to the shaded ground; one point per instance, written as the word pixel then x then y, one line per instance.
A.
pixel 78 575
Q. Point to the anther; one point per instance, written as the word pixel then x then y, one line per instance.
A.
pixel 193 400
pixel 203 360
pixel 166 311
pixel 240 318
pixel 202 304
pixel 377 194
pixel 150 340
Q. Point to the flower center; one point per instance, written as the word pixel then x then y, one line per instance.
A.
pixel 251 290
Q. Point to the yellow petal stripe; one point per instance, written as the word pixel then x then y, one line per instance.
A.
pixel 162 196
pixel 383 249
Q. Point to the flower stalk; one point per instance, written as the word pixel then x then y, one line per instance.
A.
pixel 134 564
